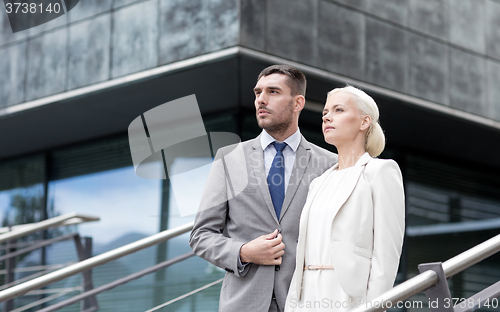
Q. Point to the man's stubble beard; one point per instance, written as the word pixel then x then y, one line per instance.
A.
pixel 279 126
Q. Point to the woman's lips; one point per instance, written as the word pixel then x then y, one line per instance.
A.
pixel 328 128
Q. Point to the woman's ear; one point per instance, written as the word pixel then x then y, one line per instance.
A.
pixel 366 121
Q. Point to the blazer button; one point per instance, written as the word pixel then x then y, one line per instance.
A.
pixel 277 268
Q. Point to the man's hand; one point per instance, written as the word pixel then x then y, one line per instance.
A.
pixel 266 249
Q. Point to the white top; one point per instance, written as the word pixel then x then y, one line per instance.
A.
pixel 317 228
pixel 289 152
pixel 321 289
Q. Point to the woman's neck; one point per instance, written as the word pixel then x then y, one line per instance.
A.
pixel 349 155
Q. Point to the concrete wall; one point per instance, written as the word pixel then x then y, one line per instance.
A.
pixel 103 39
pixel 445 51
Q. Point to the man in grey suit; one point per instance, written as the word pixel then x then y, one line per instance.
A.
pixel 253 233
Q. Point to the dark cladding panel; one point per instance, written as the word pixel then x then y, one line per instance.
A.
pixel 467 82
pixel 290 29
pixel 493 84
pixel 467 21
pixel 430 17
pixel 89 49
pixel 183 29
pixel 386 55
pixel 395 11
pixel 13 69
pixel 47 64
pixel 85 9
pixel 341 40
pixel 428 72
pixel 493 29
pixel 223 24
pixel 253 24
pixel 135 38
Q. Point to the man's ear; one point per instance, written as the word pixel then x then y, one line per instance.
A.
pixel 299 102
pixel 365 123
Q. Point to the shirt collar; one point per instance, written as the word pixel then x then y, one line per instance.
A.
pixel 293 141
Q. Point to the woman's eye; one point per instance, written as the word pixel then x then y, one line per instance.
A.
pixel 339 110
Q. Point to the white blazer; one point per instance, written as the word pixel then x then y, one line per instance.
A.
pixel 367 231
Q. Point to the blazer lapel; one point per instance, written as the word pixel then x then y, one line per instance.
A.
pixel 259 172
pixel 301 161
pixel 349 183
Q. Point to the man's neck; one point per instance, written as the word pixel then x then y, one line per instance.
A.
pixel 282 135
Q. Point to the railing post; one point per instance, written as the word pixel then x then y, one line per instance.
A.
pixel 438 296
pixel 10 265
pixel 85 252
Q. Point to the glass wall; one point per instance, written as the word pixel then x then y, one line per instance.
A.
pixel 22 201
pixel 97 178
pixel 451 208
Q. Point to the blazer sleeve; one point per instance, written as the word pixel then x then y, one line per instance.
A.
pixel 388 226
pixel 207 239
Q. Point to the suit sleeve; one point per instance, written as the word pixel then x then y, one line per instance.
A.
pixel 207 237
pixel 389 226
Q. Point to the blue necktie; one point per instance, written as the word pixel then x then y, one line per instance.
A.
pixel 276 178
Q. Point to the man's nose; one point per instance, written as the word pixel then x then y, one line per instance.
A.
pixel 262 99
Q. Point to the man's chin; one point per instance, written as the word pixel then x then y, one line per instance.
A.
pixel 263 123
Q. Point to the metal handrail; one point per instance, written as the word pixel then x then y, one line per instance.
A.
pixel 26 229
pixel 427 279
pixel 39 245
pixel 116 283
pixel 90 263
pixel 197 290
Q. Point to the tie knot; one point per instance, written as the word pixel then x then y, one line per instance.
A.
pixel 279 146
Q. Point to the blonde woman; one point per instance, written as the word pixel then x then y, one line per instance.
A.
pixel 352 225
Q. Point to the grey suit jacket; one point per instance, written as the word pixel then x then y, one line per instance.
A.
pixel 231 215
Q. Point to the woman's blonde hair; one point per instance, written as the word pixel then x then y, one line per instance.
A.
pixel 375 138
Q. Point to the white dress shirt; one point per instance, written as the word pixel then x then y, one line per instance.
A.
pixel 289 152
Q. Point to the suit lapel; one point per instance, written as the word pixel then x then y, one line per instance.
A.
pixel 259 172
pixel 350 182
pixel 301 161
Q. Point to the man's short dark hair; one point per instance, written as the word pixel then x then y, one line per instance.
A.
pixel 296 79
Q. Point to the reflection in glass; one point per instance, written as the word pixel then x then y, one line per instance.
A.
pixel 129 210
pixel 22 200
pixel 194 272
